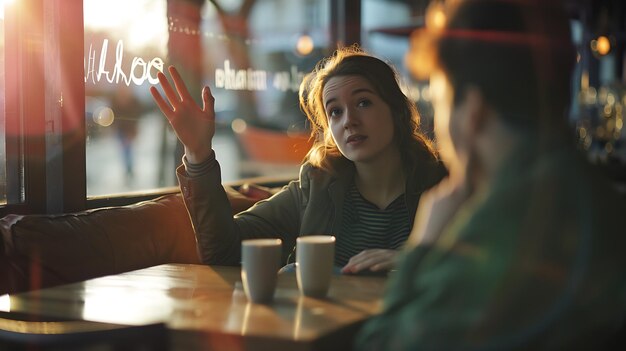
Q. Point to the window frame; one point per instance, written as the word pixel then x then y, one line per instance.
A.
pixel 23 65
pixel 45 104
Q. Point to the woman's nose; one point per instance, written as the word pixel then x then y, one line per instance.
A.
pixel 350 118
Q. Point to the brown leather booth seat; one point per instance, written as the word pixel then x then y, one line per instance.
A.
pixel 45 250
pixel 38 251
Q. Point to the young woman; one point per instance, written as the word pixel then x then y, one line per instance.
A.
pixel 360 182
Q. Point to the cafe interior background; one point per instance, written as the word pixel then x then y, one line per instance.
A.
pixel 80 130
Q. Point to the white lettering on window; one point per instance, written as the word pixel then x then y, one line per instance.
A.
pixel 240 79
pixel 138 72
pixel 230 78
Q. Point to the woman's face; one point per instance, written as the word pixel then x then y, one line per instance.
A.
pixel 359 119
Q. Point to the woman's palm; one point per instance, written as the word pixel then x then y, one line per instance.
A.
pixel 194 126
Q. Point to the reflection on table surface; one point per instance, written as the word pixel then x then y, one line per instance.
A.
pixel 208 300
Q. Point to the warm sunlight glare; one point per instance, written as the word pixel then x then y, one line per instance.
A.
pixel 435 15
pixel 123 300
pixel 5 303
pixel 3 4
pixel 139 23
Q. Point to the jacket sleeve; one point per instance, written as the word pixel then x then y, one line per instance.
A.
pixel 219 234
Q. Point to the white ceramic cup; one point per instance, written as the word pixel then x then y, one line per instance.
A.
pixel 315 257
pixel 260 262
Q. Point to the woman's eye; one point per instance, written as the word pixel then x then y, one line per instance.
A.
pixel 334 112
pixel 364 103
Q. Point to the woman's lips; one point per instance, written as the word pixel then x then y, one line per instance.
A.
pixel 355 139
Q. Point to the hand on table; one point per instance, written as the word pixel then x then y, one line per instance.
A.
pixel 194 126
pixel 374 260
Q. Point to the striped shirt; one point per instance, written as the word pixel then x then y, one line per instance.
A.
pixel 365 226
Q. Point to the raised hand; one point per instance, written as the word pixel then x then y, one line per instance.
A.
pixel 194 126
pixel 375 260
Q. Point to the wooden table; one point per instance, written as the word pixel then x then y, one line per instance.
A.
pixel 204 307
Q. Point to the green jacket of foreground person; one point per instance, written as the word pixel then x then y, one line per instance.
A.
pixel 310 205
pixel 535 263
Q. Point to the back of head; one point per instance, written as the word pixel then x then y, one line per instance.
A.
pixel 517 53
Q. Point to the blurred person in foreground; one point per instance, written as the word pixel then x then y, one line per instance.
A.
pixel 521 247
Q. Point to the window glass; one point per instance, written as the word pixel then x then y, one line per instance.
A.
pixel 386 26
pixel 599 98
pixel 598 94
pixel 252 54
pixel 3 173
pixel 254 64
pixel 127 140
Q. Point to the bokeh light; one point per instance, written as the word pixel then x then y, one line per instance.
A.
pixel 435 15
pixel 238 125
pixel 104 116
pixel 601 46
pixel 305 45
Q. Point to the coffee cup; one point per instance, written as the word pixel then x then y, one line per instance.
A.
pixel 260 262
pixel 315 256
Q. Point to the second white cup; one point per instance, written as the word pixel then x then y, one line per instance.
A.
pixel 315 257
pixel 260 262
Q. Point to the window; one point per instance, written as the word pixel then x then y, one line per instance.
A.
pixel 386 26
pixel 252 54
pixel 128 143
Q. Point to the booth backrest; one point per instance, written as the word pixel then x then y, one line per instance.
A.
pixel 46 250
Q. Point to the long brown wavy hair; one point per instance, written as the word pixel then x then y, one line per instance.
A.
pixel 351 61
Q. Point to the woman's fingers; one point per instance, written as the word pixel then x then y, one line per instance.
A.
pixel 183 93
pixel 161 103
pixel 171 95
pixel 194 127
pixel 384 265
pixel 208 101
pixel 180 100
pixel 375 260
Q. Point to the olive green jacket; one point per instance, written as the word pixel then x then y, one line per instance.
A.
pixel 537 262
pixel 310 205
